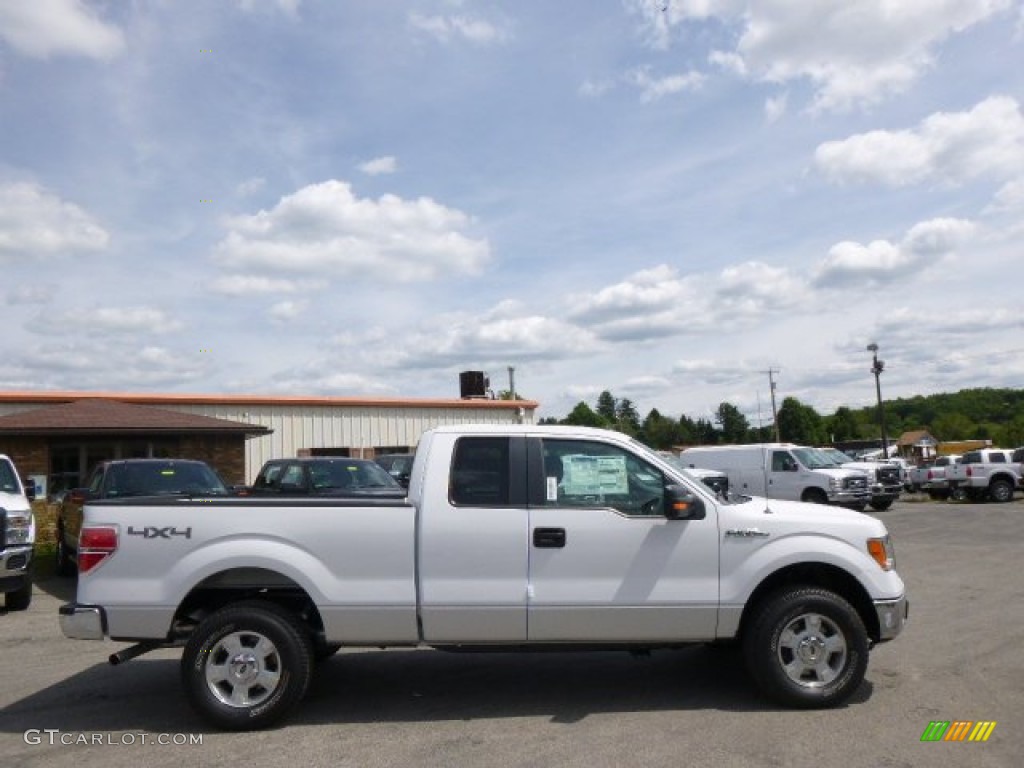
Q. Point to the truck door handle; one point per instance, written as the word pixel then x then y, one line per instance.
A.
pixel 549 538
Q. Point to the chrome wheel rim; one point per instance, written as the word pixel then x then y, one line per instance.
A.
pixel 243 669
pixel 812 650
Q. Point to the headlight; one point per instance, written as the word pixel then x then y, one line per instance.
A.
pixel 882 552
pixel 19 530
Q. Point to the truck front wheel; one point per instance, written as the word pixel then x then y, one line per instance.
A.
pixel 1000 490
pixel 806 647
pixel 247 665
pixel 21 598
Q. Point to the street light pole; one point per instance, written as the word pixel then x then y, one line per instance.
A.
pixel 876 368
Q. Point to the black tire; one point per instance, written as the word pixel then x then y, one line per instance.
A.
pixel 247 665
pixel 806 647
pixel 814 496
pixel 881 506
pixel 21 598
pixel 1000 490
pixel 65 565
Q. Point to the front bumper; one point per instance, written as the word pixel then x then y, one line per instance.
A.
pixel 15 560
pixel 892 616
pixel 82 622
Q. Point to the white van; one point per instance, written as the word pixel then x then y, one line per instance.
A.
pixel 783 471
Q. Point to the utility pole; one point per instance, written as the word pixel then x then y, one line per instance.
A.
pixel 512 382
pixel 775 414
pixel 876 368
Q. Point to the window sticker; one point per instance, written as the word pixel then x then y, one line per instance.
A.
pixel 595 475
pixel 552 489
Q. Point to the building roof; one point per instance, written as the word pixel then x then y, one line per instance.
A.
pixel 916 437
pixel 96 416
pixel 52 397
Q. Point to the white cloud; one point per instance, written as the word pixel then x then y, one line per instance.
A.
pixel 925 244
pixel 775 108
pixel 658 302
pixel 251 285
pixel 287 7
pixel 286 311
pixel 489 341
pixel 379 165
pixel 654 88
pixel 952 147
pixel 854 53
pixel 44 28
pixel 324 229
pixel 448 28
pixel 116 320
pixel 250 186
pixel 1009 198
pixel 31 294
pixel 107 363
pixel 754 289
pixel 34 223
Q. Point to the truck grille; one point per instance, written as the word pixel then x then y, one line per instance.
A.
pixel 889 475
pixel 855 483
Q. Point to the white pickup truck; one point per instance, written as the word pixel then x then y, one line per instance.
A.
pixel 988 473
pixel 520 537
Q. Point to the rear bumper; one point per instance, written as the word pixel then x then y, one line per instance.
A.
pixel 82 622
pixel 892 616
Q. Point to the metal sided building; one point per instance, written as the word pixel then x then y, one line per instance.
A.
pixel 65 441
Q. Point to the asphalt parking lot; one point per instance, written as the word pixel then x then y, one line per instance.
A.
pixel 960 658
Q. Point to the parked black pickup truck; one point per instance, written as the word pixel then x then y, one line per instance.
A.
pixel 324 476
pixel 123 478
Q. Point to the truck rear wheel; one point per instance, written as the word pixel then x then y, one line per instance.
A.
pixel 1000 490
pixel 806 647
pixel 21 598
pixel 247 665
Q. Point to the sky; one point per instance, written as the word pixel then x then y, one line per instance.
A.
pixel 665 199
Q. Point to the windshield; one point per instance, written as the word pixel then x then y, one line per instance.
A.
pixel 333 475
pixel 164 478
pixel 836 456
pixel 812 458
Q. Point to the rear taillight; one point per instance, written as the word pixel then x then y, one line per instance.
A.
pixel 930 475
pixel 969 473
pixel 95 544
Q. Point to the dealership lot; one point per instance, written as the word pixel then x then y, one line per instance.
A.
pixel 958 659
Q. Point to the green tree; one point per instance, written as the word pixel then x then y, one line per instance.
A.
pixel 799 423
pixel 627 420
pixel 953 426
pixel 843 425
pixel 606 407
pixel 704 432
pixel 686 431
pixel 583 416
pixel 734 425
pixel 658 432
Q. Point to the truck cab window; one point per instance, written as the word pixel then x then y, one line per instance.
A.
pixel 480 473
pixel 782 462
pixel 580 473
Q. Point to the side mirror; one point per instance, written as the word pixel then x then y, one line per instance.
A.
pixel 30 489
pixel 680 504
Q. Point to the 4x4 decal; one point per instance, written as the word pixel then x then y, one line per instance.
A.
pixel 152 532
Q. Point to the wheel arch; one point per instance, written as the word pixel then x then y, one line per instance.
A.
pixel 823 575
pixel 237 584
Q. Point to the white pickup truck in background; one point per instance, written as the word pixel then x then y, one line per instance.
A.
pixel 990 473
pixel 511 537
